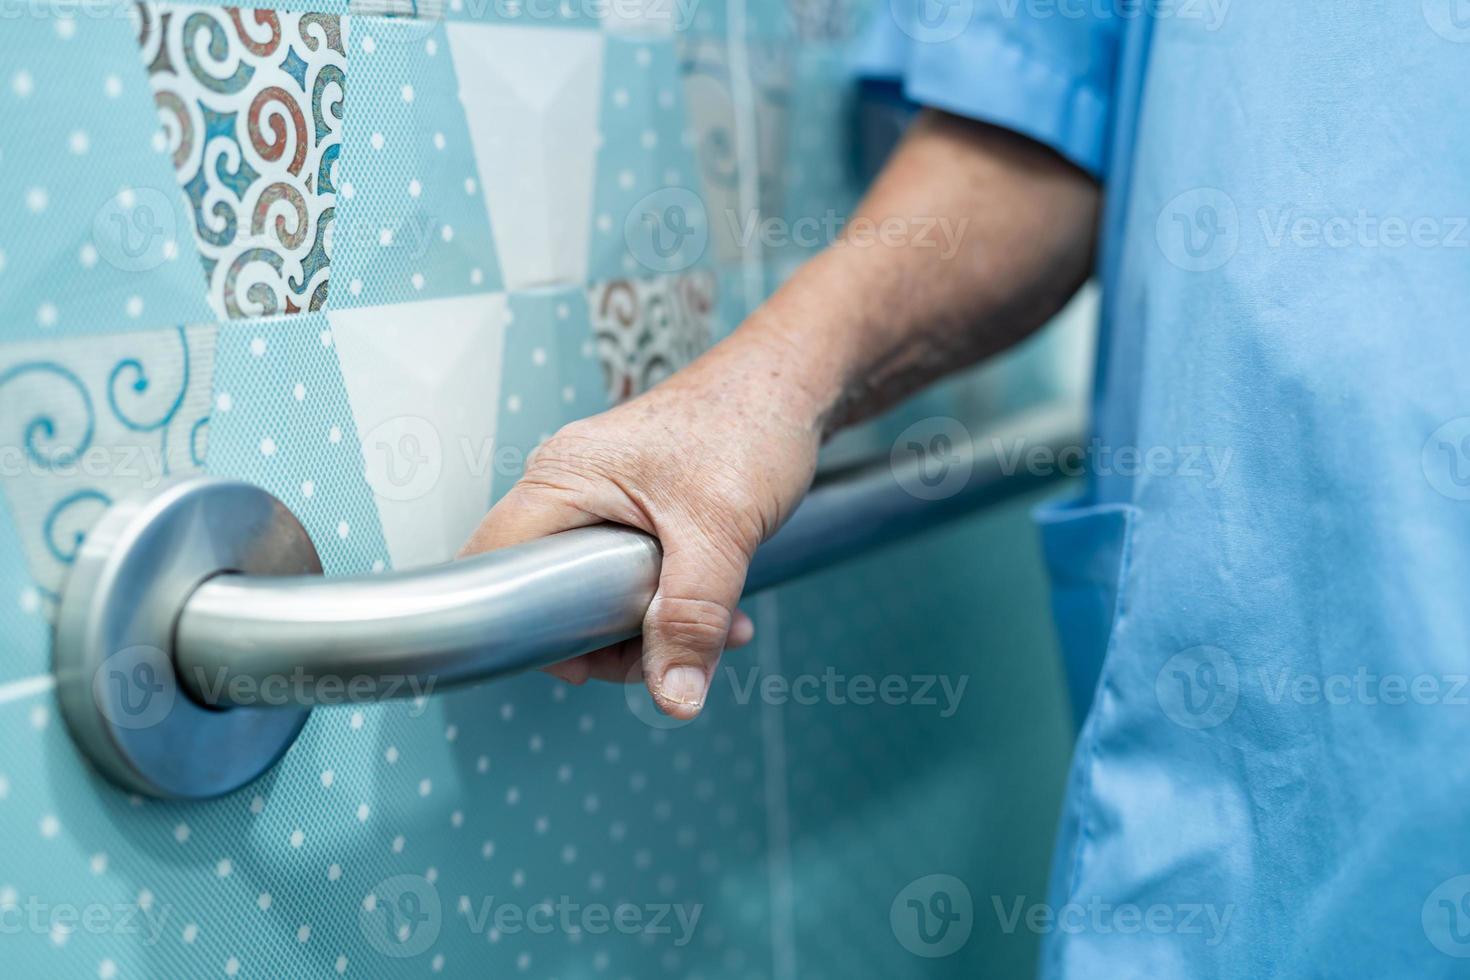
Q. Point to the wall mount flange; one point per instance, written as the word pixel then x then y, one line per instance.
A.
pixel 116 678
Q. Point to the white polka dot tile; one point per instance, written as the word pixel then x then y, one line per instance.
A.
pixel 304 450
pixel 86 246
pixel 652 213
pixel 408 230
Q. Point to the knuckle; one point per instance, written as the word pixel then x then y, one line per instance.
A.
pixel 579 452
pixel 691 623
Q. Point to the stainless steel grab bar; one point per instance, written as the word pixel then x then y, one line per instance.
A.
pixel 209 596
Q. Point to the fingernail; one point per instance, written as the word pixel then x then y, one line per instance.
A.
pixel 683 685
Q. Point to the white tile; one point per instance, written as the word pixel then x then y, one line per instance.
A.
pixel 424 382
pixel 531 99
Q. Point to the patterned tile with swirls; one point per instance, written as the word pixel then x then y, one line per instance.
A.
pixel 251 103
pixel 646 329
pixel 84 420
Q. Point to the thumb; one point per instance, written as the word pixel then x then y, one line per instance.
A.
pixel 689 621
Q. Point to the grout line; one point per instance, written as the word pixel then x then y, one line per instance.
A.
pixel 747 152
pixel 26 687
pixel 753 275
pixel 778 813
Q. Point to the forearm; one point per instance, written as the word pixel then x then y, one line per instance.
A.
pixel 996 235
pixel 713 460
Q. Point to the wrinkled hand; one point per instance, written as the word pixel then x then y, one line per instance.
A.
pixel 710 462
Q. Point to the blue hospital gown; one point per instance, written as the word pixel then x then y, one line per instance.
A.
pixel 1266 587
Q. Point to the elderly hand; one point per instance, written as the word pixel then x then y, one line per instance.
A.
pixel 716 457
pixel 710 462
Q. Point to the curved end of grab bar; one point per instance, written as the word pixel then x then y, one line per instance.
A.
pixel 196 631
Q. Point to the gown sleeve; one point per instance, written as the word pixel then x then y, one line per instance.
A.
pixel 1041 68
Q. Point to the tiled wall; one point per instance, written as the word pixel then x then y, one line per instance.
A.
pixel 367 256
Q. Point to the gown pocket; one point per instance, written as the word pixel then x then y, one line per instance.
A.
pixel 1086 550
